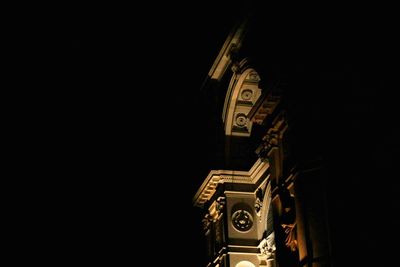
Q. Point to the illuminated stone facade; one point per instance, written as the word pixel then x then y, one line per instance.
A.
pixel 259 211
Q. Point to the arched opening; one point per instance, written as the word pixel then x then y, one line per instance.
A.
pixel 245 264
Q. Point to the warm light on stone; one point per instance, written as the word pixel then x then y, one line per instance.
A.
pixel 261 204
pixel 245 264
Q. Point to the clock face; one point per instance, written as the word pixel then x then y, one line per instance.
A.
pixel 242 220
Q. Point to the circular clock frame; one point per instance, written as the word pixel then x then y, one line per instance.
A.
pixel 242 220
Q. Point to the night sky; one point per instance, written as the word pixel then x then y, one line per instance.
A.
pixel 134 151
pixel 134 154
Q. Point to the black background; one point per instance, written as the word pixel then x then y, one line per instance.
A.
pixel 133 144
pixel 134 147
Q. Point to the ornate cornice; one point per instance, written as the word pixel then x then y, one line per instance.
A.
pixel 216 177
pixel 272 147
pixel 231 45
pixel 274 136
pixel 264 107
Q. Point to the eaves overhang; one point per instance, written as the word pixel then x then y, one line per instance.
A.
pixel 216 177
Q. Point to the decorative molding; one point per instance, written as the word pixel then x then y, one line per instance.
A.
pixel 264 107
pixel 271 148
pixel 267 251
pixel 207 220
pixel 263 199
pixel 242 220
pixel 267 246
pixel 221 202
pixel 216 177
pixel 242 94
pixel 231 45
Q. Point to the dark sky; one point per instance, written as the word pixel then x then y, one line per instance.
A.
pixel 133 152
